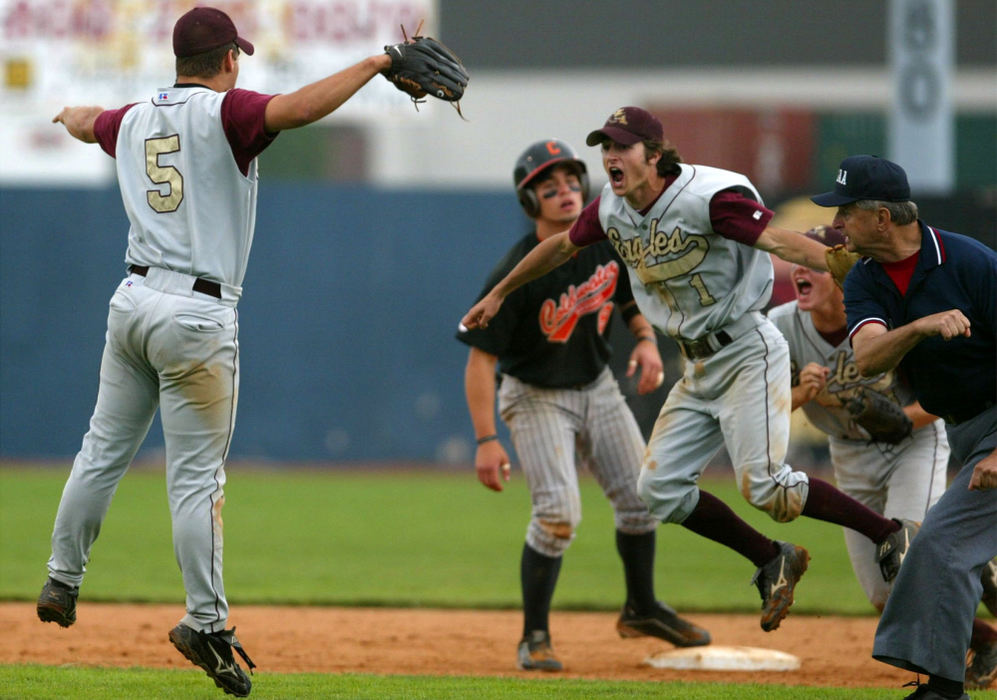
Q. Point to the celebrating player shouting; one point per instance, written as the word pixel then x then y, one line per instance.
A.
pixel 563 406
pixel 694 239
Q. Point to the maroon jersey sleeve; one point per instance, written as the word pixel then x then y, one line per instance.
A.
pixel 735 215
pixel 587 229
pixel 242 119
pixel 106 126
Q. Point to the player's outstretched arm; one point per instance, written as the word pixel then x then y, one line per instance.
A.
pixel 794 247
pixel 547 255
pixel 316 100
pixel 79 122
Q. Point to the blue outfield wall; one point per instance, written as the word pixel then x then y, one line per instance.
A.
pixel 347 320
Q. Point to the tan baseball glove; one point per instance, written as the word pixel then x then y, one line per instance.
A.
pixel 839 261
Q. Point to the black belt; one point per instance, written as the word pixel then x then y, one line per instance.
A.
pixel 212 289
pixel 963 416
pixel 702 347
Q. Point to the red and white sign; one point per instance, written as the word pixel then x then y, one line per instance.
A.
pixel 112 52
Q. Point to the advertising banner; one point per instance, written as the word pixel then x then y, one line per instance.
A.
pixel 112 52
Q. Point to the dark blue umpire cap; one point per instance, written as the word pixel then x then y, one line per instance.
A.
pixel 866 177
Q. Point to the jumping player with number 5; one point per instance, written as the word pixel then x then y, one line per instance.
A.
pixel 694 239
pixel 187 170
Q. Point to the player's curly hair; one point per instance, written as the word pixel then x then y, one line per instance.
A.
pixel 668 164
pixel 207 64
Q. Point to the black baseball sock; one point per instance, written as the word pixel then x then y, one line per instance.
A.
pixel 538 576
pixel 946 687
pixel 713 519
pixel 824 502
pixel 637 553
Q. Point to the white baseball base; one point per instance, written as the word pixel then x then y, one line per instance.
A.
pixel 721 658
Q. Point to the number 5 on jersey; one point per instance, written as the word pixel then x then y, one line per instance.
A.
pixel 163 174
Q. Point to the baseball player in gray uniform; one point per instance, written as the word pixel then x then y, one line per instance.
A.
pixel 564 408
pixel 694 240
pixel 187 170
pixel 901 480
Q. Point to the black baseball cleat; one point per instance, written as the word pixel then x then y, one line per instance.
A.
pixel 536 654
pixel 661 622
pixel 923 692
pixel 213 653
pixel 891 552
pixel 57 603
pixel 776 582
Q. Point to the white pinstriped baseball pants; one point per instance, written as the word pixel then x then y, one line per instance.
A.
pixel 555 431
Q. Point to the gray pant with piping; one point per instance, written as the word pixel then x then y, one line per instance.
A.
pixel 928 619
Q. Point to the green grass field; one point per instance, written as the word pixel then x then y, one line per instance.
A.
pixel 410 538
pixel 112 684
pixel 390 538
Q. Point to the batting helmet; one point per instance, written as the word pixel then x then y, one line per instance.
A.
pixel 534 161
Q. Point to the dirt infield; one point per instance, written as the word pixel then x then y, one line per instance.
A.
pixel 834 651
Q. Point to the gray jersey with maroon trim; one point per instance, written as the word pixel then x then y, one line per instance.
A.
pixel 172 344
pixel 191 209
pixel 688 281
pixel 827 411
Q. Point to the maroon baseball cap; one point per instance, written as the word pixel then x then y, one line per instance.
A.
pixel 826 235
pixel 627 126
pixel 203 29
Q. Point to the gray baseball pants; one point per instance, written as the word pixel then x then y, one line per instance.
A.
pixel 928 620
pixel 177 351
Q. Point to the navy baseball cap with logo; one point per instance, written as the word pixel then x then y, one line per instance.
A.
pixel 866 177
pixel 203 29
pixel 627 126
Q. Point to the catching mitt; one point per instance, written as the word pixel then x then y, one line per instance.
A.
pixel 883 419
pixel 422 66
pixel 839 262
